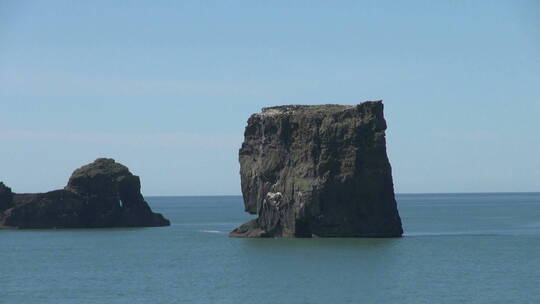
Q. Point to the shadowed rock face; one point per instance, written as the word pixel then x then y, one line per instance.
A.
pixel 6 197
pixel 318 171
pixel 101 194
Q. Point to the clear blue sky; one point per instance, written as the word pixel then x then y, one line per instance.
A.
pixel 166 87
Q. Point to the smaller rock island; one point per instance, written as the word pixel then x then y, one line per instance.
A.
pixel 98 195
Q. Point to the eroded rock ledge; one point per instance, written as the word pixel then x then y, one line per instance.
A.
pixel 318 171
pixel 101 194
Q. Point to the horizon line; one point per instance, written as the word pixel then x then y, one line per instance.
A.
pixel 398 193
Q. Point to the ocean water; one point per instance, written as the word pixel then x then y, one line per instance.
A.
pixel 458 248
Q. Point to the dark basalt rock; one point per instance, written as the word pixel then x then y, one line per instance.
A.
pixel 6 197
pixel 101 194
pixel 318 171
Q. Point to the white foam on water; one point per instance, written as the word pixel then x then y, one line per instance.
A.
pixel 211 231
pixel 472 233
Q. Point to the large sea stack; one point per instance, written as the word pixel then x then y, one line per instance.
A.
pixel 318 171
pixel 101 194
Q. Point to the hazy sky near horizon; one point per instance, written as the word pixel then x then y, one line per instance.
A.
pixel 166 87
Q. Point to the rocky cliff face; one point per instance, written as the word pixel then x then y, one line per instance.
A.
pixel 101 194
pixel 6 197
pixel 318 171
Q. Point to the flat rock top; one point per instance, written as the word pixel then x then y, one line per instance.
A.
pixel 312 109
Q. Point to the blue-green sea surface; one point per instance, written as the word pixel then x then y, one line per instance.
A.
pixel 458 248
